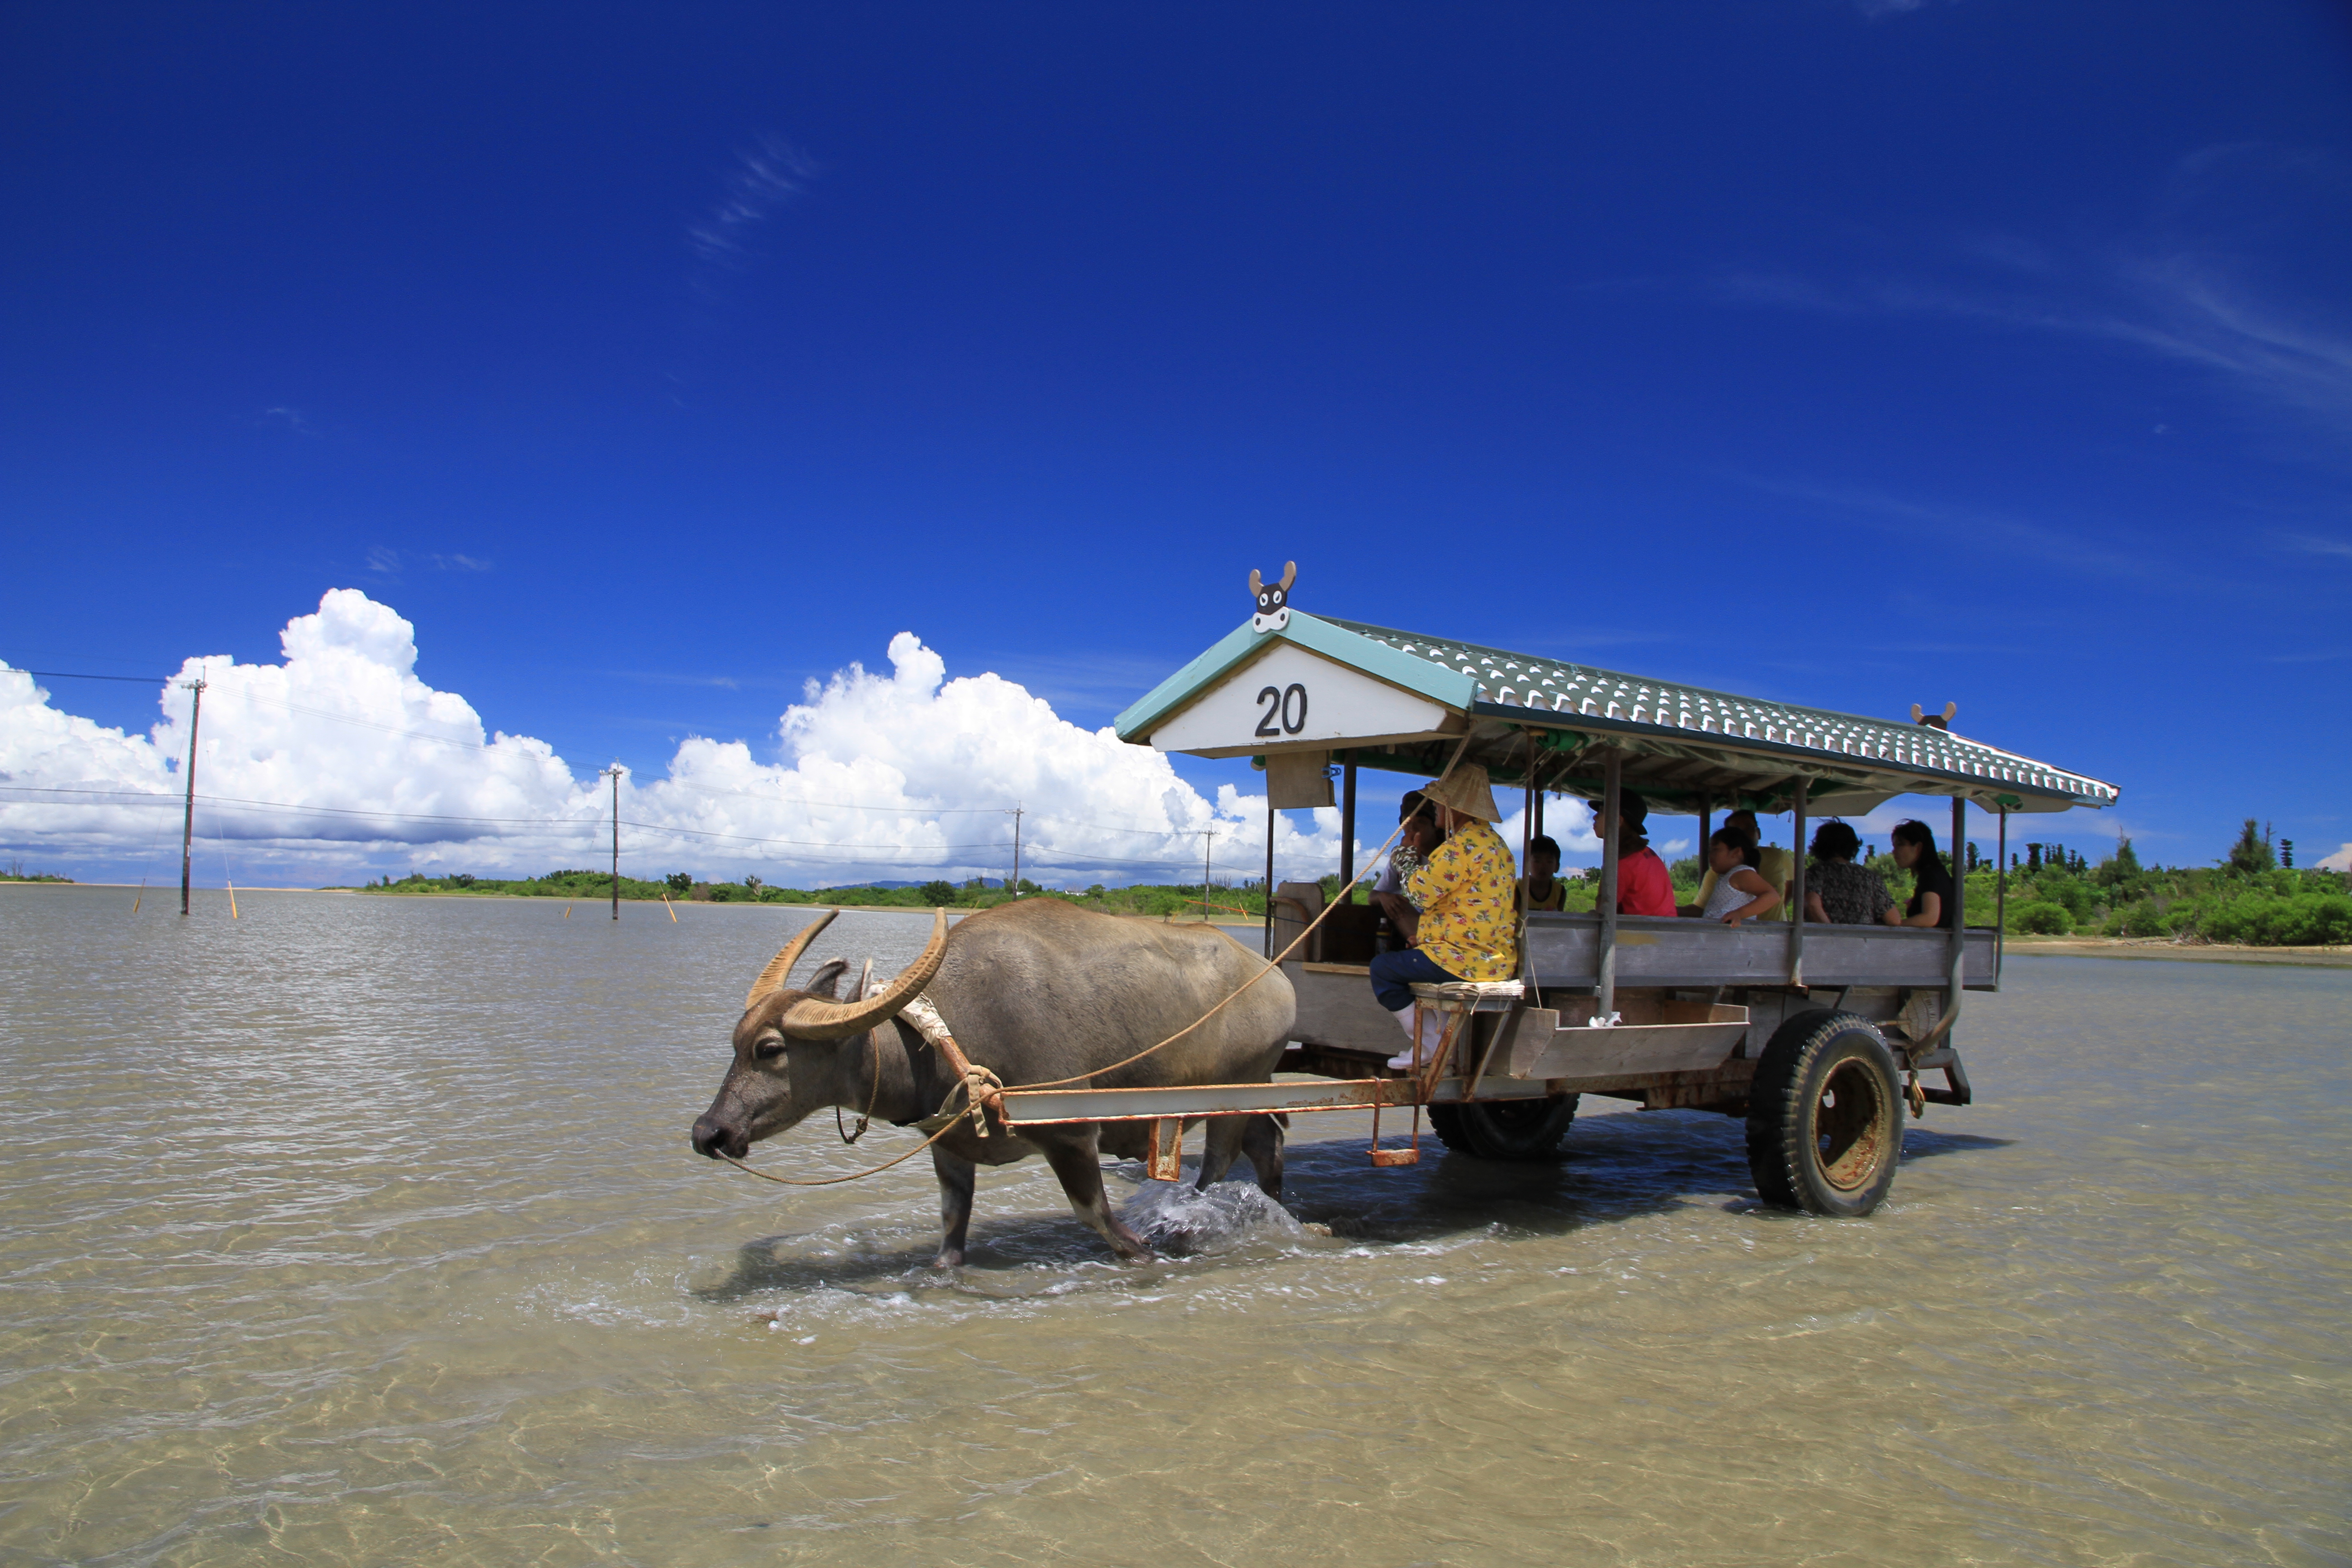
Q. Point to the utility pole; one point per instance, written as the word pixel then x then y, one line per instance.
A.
pixel 1016 851
pixel 1208 842
pixel 613 772
pixel 188 826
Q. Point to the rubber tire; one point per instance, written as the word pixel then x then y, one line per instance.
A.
pixel 1526 1131
pixel 1812 1055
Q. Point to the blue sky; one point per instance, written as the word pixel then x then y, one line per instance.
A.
pixel 652 364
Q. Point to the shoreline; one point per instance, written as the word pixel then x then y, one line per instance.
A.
pixel 2017 945
pixel 954 912
pixel 2158 947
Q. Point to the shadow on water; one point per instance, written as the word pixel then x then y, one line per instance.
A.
pixel 1918 1142
pixel 1614 1169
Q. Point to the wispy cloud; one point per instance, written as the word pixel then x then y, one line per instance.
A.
pixel 764 178
pixel 2182 290
pixel 387 563
pixel 2312 544
pixel 285 418
pixel 2019 536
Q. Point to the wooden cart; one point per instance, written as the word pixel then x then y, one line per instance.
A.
pixel 1817 1035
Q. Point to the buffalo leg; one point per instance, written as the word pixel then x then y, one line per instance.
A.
pixel 1078 1166
pixel 956 1175
pixel 1261 1142
pixel 1226 1135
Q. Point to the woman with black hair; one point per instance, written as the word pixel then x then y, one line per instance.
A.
pixel 1838 891
pixel 1931 884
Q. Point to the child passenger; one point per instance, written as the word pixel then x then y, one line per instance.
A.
pixel 1740 891
pixel 1541 889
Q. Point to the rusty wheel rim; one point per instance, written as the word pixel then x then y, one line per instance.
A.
pixel 1849 1126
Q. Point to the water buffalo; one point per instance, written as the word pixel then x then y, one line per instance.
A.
pixel 1037 992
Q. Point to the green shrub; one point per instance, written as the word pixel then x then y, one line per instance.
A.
pixel 2266 919
pixel 2074 896
pixel 2042 919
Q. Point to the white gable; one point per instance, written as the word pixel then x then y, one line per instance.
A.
pixel 1289 697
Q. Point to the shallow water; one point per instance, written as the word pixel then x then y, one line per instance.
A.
pixel 366 1230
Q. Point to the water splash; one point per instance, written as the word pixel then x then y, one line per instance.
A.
pixel 1178 1219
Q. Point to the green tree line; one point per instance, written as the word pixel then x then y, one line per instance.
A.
pixel 2247 896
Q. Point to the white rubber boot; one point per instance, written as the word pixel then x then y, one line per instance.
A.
pixel 1432 1036
pixel 1403 1059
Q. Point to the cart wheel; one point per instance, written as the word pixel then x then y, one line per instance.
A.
pixel 1824 1116
pixel 1525 1129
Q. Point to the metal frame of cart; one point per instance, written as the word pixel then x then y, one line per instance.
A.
pixel 1815 1034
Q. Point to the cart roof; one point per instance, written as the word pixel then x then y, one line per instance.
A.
pixel 1403 700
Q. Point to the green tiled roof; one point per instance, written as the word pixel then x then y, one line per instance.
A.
pixel 1527 690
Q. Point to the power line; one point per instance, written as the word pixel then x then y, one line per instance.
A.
pixel 74 675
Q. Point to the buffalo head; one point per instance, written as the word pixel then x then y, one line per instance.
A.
pixel 788 1041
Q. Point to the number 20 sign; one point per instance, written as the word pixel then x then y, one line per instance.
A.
pixel 1285 709
pixel 1291 697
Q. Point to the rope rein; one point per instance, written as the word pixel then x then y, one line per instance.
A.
pixel 982 1087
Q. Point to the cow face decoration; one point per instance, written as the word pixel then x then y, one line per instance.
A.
pixel 1936 720
pixel 1273 599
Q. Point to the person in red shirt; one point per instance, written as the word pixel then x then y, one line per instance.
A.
pixel 1644 888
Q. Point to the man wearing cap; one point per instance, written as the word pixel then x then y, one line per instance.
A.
pixel 1644 886
pixel 1468 927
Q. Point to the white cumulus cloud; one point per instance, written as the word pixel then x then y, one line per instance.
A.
pixel 340 759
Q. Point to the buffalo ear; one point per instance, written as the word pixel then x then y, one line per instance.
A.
pixel 828 978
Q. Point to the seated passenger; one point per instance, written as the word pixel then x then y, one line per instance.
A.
pixel 1838 891
pixel 1420 837
pixel 1541 889
pixel 1644 888
pixel 1772 863
pixel 1740 891
pixel 1931 896
pixel 1467 930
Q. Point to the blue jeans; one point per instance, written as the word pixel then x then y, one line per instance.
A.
pixel 1394 974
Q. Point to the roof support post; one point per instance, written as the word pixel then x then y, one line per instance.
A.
pixel 1269 873
pixel 1797 891
pixel 1348 821
pixel 2000 896
pixel 1526 878
pixel 1955 963
pixel 1613 774
pixel 1706 827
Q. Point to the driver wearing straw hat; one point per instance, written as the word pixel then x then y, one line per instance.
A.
pixel 1469 925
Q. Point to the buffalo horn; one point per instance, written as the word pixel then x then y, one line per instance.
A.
pixel 813 1020
pixel 1255 582
pixel 780 968
pixel 1289 574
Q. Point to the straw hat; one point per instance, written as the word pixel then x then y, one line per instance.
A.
pixel 1466 790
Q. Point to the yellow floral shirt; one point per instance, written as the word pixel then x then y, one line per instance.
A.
pixel 1468 926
